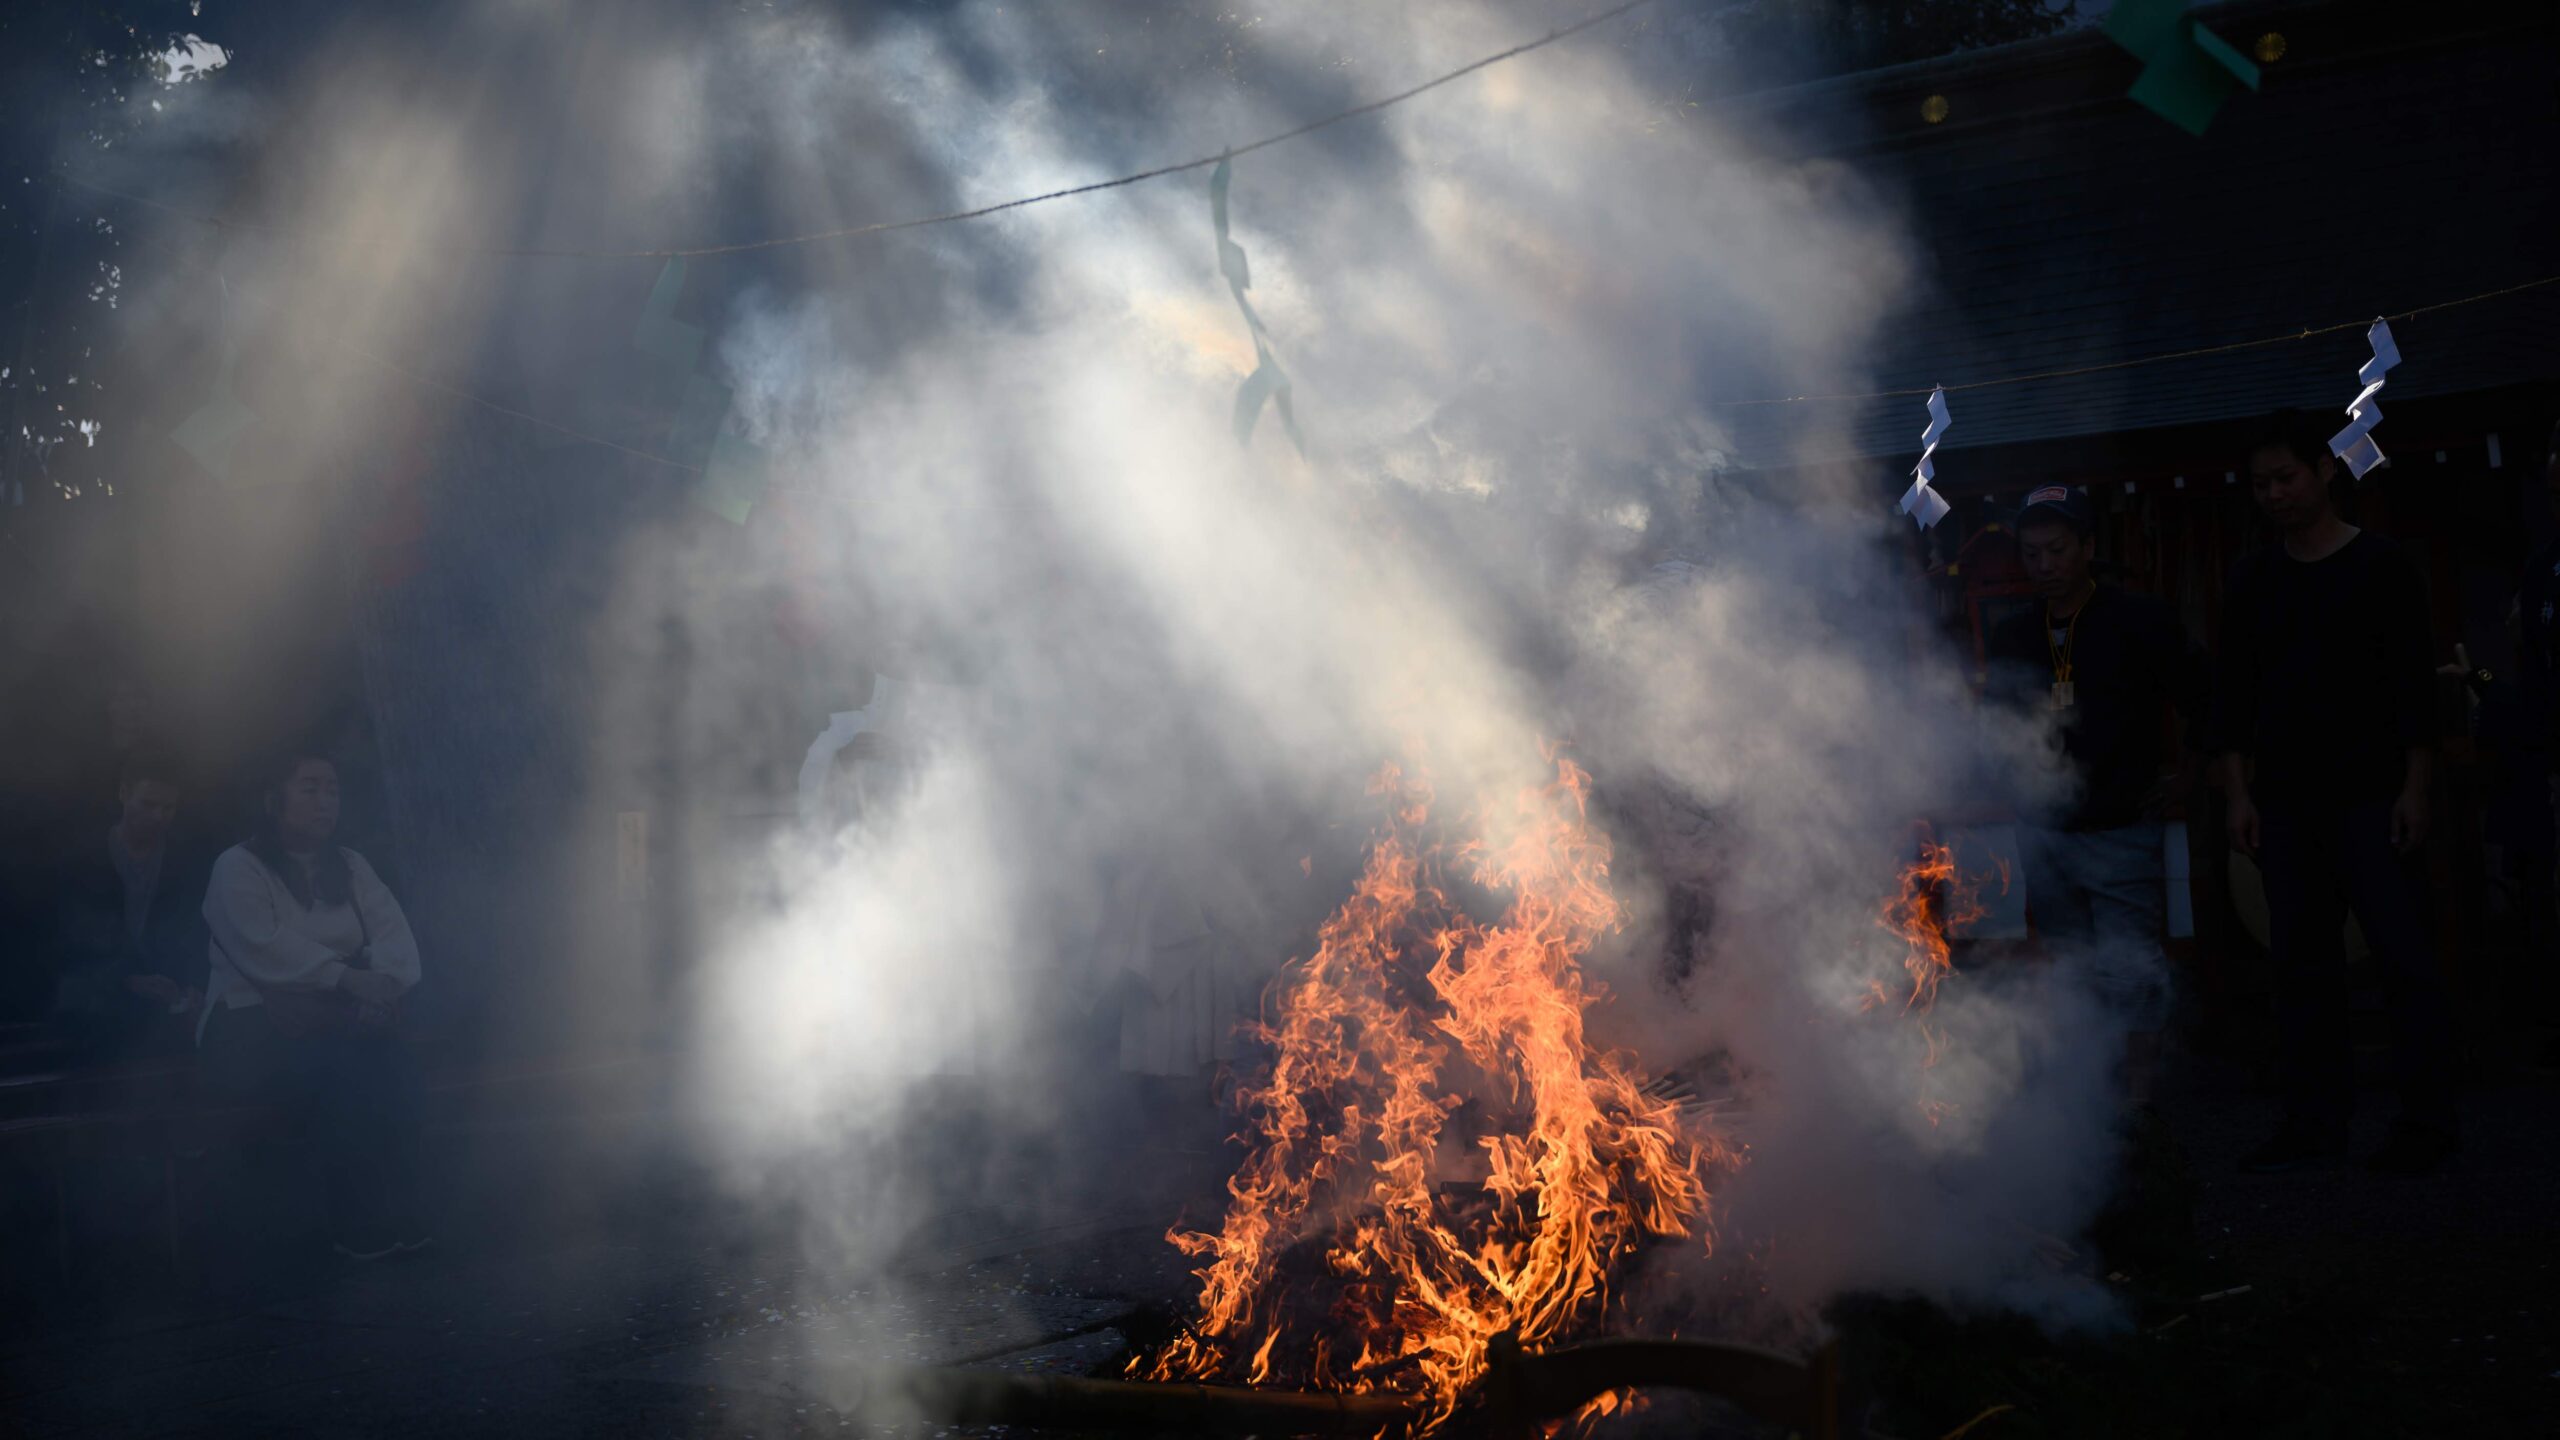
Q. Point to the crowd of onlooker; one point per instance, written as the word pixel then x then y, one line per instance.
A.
pixel 2318 711
pixel 272 974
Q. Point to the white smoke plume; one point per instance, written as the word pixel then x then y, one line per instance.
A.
pixel 1499 307
pixel 1143 660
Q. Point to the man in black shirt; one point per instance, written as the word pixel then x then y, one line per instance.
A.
pixel 2109 664
pixel 2327 686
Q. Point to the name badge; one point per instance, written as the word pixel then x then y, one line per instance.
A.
pixel 2062 696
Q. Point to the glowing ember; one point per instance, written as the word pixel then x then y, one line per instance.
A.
pixel 1602 1406
pixel 1363 1247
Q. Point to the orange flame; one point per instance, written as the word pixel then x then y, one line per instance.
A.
pixel 1600 1407
pixel 1370 1062
pixel 1932 899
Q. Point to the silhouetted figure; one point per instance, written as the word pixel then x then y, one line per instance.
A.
pixel 2327 714
pixel 65 738
pixel 129 928
pixel 2519 724
pixel 311 961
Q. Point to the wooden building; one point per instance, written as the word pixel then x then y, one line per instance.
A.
pixel 2140 300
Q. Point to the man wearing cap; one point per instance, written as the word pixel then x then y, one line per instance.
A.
pixel 2106 664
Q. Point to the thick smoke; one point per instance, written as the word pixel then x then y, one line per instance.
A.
pixel 1170 658
pixel 1137 668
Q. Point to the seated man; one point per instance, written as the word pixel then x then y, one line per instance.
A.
pixel 129 932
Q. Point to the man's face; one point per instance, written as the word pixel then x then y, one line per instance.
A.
pixel 2057 557
pixel 2289 493
pixel 150 806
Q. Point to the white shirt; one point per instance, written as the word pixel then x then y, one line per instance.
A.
pixel 263 937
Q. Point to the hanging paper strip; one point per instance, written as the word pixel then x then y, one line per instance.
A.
pixel 1268 382
pixel 734 471
pixel 2355 443
pixel 2187 70
pixel 733 480
pixel 659 334
pixel 1922 504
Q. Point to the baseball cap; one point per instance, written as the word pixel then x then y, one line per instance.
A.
pixel 2057 502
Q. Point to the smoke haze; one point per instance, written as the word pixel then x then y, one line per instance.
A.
pixel 1140 665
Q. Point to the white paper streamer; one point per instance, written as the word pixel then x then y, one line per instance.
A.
pixel 889 703
pixel 2355 443
pixel 1921 503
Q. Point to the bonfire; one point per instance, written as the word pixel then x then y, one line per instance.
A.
pixel 1438 1161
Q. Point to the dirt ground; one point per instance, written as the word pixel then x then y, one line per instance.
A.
pixel 2331 1303
pixel 636 1300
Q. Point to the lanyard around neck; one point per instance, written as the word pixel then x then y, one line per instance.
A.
pixel 2061 653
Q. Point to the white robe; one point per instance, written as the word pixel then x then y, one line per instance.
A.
pixel 263 937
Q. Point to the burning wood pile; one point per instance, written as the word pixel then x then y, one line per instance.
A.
pixel 1446 1185
pixel 1441 1169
